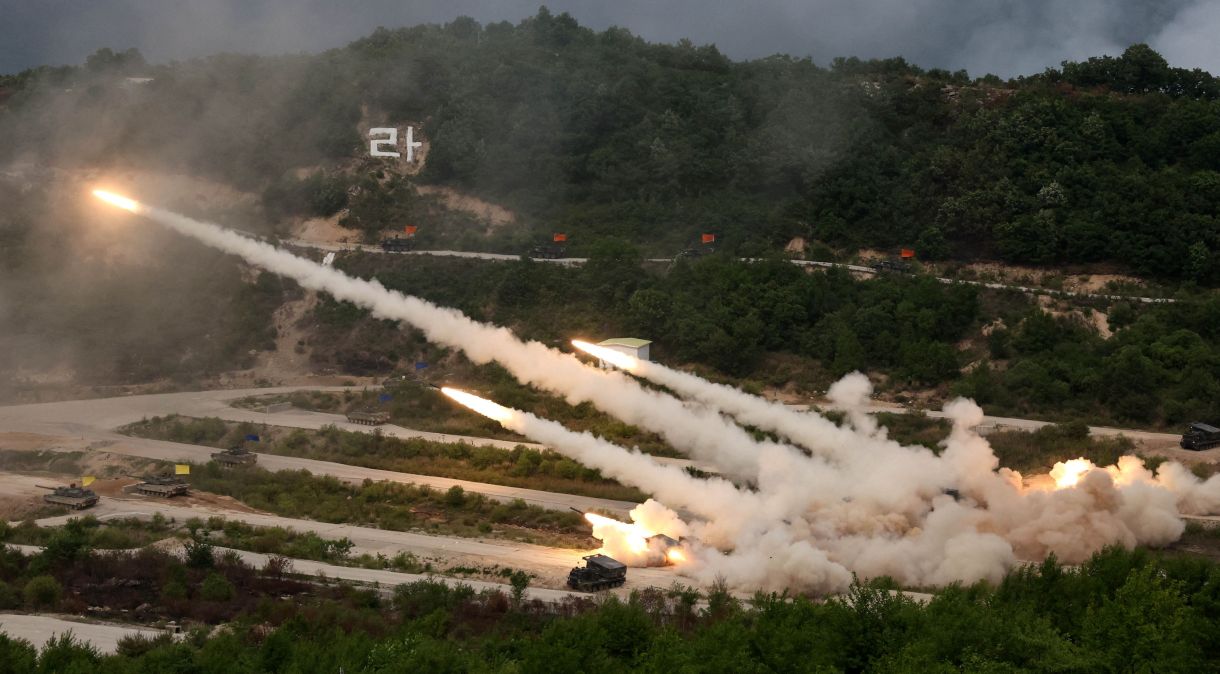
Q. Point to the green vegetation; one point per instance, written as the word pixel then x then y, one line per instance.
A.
pixel 67 463
pixel 1112 159
pixel 88 531
pixel 518 467
pixel 390 505
pixel 770 323
pixel 1038 451
pixel 1120 611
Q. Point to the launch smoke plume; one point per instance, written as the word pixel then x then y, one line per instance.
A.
pixel 860 503
pixel 702 432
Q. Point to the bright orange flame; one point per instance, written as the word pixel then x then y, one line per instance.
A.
pixel 634 535
pixel 615 358
pixel 483 406
pixel 117 200
pixel 1068 473
pixel 675 556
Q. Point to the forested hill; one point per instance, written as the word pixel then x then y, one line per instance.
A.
pixel 601 134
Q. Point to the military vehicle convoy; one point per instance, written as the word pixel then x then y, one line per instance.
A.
pixel 235 456
pixel 164 486
pixel 599 573
pixel 72 496
pixel 368 417
pixel 1200 436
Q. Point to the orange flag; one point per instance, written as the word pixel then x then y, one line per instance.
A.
pixel 560 238
pixel 708 238
pixel 907 252
pixel 410 229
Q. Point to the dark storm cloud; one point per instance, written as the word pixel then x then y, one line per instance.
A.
pixel 1007 37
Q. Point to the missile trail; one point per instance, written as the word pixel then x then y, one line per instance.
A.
pixel 704 433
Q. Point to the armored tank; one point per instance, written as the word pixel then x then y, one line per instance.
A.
pixel 72 496
pixel 165 486
pixel 368 417
pixel 235 456
pixel 599 573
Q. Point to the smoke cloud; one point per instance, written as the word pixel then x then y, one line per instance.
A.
pixel 858 503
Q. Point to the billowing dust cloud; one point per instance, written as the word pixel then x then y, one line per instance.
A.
pixel 807 512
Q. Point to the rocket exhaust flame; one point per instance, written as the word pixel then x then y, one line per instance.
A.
pixel 483 406
pixel 1068 473
pixel 118 200
pixel 618 359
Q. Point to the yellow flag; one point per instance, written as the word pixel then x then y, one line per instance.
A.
pixel 182 469
pixel 86 481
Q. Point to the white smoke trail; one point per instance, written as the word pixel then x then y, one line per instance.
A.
pixel 861 504
pixel 764 552
pixel 703 433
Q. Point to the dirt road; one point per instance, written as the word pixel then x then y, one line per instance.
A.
pixel 90 423
pixel 551 565
pixel 38 630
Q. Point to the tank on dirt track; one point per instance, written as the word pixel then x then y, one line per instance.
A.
pixel 368 417
pixel 74 497
pixel 235 456
pixel 164 486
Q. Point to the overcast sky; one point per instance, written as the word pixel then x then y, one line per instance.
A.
pixel 1006 37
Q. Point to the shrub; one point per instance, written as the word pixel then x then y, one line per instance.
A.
pixel 216 588
pixel 9 598
pixel 42 592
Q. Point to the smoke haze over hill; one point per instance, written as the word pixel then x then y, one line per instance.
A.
pixel 1000 36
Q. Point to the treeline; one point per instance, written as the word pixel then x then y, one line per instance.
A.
pixel 770 323
pixel 1119 612
pixel 601 134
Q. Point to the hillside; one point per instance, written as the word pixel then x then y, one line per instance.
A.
pixel 1110 166
pixel 1112 162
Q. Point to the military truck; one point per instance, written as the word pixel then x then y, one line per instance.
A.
pixel 397 244
pixel 72 496
pixel 899 266
pixel 547 251
pixel 1200 436
pixel 165 486
pixel 235 456
pixel 368 417
pixel 599 573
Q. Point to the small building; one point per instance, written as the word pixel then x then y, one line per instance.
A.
pixel 628 345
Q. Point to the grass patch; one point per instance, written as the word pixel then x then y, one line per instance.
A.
pixel 390 505
pixel 1038 451
pixel 518 467
pixel 414 405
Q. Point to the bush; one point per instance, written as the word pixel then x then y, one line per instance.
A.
pixel 216 588
pixel 174 590
pixel 136 645
pixel 9 598
pixel 42 592
pixel 199 552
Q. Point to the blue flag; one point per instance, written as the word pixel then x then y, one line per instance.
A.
pixel 252 438
pixel 420 365
pixel 385 397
